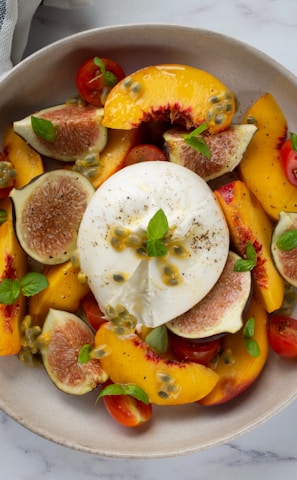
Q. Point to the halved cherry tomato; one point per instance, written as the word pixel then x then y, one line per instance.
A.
pixel 282 335
pixel 289 162
pixel 186 349
pixel 95 317
pixel 144 153
pixel 127 410
pixel 94 82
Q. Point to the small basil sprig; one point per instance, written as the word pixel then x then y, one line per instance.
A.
pixel 109 78
pixel 156 230
pixel 125 389
pixel 30 284
pixel 287 240
pixel 248 263
pixel 293 138
pixel 43 128
pixel 251 344
pixel 158 339
pixel 197 142
pixel 84 354
pixel 3 216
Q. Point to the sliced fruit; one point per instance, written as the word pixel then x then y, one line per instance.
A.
pixel 13 264
pixel 64 292
pixel 27 162
pixel 63 335
pixel 113 156
pixel 7 175
pixel 64 132
pixel 166 382
pixel 285 254
pixel 48 212
pixel 261 167
pixel 178 93
pixel 248 222
pixel 221 310
pixel 237 369
pixel 226 150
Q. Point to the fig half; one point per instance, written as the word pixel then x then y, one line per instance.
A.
pixel 48 212
pixel 283 246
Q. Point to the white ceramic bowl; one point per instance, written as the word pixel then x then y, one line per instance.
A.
pixel 27 395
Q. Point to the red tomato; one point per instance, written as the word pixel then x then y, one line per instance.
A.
pixel 94 315
pixel 186 349
pixel 289 162
pixel 127 410
pixel 93 84
pixel 282 335
pixel 144 153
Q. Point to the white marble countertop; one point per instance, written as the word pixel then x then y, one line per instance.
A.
pixel 269 451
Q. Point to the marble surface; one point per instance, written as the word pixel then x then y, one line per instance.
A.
pixel 268 451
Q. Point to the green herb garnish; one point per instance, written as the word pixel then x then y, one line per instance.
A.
pixel 197 142
pixel 3 216
pixel 156 230
pixel 30 284
pixel 287 240
pixel 251 344
pixel 84 353
pixel 43 128
pixel 109 78
pixel 158 339
pixel 125 389
pixel 293 138
pixel 248 263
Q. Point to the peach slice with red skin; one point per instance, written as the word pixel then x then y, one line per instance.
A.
pixel 236 367
pixel 166 382
pixel 247 221
pixel 178 93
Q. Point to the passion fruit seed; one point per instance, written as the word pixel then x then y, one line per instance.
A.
pixel 167 387
pixel 100 351
pixel 29 352
pixel 124 323
pixel 220 105
pixel 7 174
pixel 88 165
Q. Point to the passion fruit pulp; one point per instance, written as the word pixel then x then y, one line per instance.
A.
pixel 63 335
pixel 48 212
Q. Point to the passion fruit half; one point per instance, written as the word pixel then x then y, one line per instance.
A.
pixel 48 212
pixel 62 338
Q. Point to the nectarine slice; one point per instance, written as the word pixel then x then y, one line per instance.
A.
pixel 166 382
pixel 178 93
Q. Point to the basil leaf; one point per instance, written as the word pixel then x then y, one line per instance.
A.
pixel 84 353
pixel 251 252
pixel 243 265
pixel 158 226
pixel 43 128
pixel 125 389
pixel 252 347
pixel 288 240
pixel 155 248
pixel 249 328
pixel 158 339
pixel 196 142
pixel 9 291
pixel 3 216
pixel 99 63
pixel 33 283
pixel 110 79
pixel 293 138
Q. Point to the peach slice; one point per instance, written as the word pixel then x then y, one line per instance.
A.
pixel 167 382
pixel 236 367
pixel 178 93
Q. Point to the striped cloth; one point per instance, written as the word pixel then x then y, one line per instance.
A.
pixel 15 21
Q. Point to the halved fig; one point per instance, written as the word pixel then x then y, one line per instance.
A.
pixel 69 131
pixel 284 253
pixel 48 212
pixel 61 340
pixel 226 150
pixel 220 311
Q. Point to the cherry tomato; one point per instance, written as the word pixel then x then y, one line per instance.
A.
pixel 96 77
pixel 282 335
pixel 289 162
pixel 144 153
pixel 95 317
pixel 127 410
pixel 186 349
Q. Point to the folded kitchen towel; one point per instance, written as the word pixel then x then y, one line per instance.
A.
pixel 15 22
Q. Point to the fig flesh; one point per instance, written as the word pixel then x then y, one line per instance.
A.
pixel 48 212
pixel 285 253
pixel 63 335
pixel 226 150
pixel 220 311
pixel 77 131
